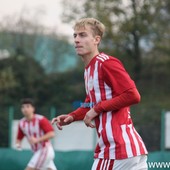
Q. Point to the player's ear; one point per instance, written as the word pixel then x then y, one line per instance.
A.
pixel 34 109
pixel 97 40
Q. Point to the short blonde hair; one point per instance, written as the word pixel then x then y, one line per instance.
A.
pixel 97 27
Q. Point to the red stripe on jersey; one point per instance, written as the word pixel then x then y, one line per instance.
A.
pixel 33 121
pixel 104 136
pixel 105 78
pixel 131 141
pixel 37 127
pixel 140 142
pixel 99 164
pixel 100 58
pixel 104 115
pixel 103 164
pixel 101 83
pixel 120 148
pixel 97 151
pixel 36 144
pixel 107 164
pixel 90 77
pixel 111 164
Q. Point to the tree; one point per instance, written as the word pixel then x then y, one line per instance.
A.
pixel 138 33
pixel 21 76
pixel 130 26
pixel 25 35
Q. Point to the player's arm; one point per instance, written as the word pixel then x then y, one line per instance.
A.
pixel 123 86
pixel 76 115
pixel 48 130
pixel 125 99
pixel 43 138
pixel 20 136
pixel 80 113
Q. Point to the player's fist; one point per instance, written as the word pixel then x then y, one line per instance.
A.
pixel 62 120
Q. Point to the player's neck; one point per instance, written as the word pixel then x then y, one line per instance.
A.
pixel 30 117
pixel 87 58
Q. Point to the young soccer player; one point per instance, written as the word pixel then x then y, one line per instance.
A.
pixel 38 131
pixel 110 93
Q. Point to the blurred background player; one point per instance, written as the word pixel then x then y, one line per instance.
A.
pixel 110 93
pixel 38 131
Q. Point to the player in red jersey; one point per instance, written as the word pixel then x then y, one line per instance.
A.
pixel 110 93
pixel 38 130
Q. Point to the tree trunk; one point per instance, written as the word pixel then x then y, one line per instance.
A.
pixel 136 48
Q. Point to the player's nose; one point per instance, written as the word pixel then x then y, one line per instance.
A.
pixel 76 39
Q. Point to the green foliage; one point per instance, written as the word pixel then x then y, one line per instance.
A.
pixel 3 128
pixel 138 33
pixel 21 76
pixel 59 90
pixel 54 53
pixel 7 79
pixel 134 28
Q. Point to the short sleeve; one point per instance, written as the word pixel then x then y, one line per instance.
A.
pixel 45 125
pixel 20 134
pixel 116 76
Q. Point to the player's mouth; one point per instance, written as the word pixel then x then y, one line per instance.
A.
pixel 78 47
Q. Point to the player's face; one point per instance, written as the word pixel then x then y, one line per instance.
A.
pixel 85 42
pixel 27 109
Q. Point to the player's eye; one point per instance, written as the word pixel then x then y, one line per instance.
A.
pixel 83 35
pixel 74 35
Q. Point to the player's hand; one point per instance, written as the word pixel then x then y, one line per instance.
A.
pixel 18 146
pixel 90 115
pixel 62 120
pixel 33 140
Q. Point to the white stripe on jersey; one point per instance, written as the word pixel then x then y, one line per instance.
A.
pixel 96 83
pixel 105 164
pixel 98 99
pixel 140 139
pixel 85 78
pixel 109 124
pixel 109 162
pixel 103 161
pixel 110 135
pixel 135 140
pixel 95 163
pixel 31 129
pixel 88 79
pixel 96 89
pixel 101 143
pixel 104 56
pixel 127 141
pixel 100 58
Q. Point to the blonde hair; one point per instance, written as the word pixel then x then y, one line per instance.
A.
pixel 97 27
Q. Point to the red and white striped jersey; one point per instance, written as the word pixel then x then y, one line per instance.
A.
pixel 105 78
pixel 37 127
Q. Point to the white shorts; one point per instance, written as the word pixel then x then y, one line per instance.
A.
pixel 134 163
pixel 43 159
